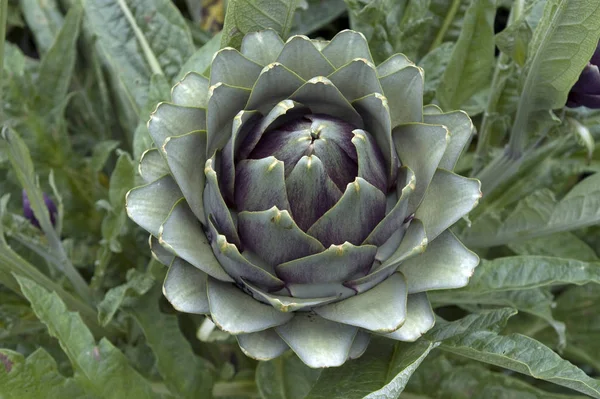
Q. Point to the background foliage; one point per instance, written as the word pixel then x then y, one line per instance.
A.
pixel 81 310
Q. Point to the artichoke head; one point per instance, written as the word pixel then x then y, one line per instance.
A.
pixel 302 196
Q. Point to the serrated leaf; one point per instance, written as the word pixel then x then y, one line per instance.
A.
pixel 35 377
pixel 184 373
pixel 539 215
pixel 244 16
pixel 390 364
pixel 285 377
pixel 101 369
pixel 472 60
pixel 140 38
pixel 137 285
pixel 524 355
pixel 56 68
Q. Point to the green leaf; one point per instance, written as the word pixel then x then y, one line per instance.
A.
pixel 22 164
pixel 524 272
pixel 44 19
pixel 524 355
pixel 101 153
pixel 35 377
pixel 434 64
pixel 514 40
pixel 245 16
pixel 315 15
pixel 439 378
pixel 562 44
pixel 185 374
pixel 285 377
pixel 201 58
pixel 56 69
pixel 12 264
pixel 470 66
pixel 121 181
pixel 159 90
pixel 539 215
pixel 579 309
pixel 390 364
pixel 392 26
pixel 101 369
pixel 562 245
pixel 137 285
pixel 491 320
pixel 139 38
pixel 535 301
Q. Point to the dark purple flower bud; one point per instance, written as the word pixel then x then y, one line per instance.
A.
pixel 28 212
pixel 586 91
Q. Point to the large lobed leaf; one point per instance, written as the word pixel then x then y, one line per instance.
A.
pixel 139 38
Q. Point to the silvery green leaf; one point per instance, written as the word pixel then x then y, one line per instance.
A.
pixel 139 38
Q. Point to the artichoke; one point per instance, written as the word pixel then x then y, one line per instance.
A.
pixel 28 211
pixel 301 197
pixel 586 91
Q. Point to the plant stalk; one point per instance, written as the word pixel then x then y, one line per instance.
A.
pixel 445 25
pixel 501 65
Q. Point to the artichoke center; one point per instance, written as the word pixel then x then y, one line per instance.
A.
pixel 319 161
pixel 325 137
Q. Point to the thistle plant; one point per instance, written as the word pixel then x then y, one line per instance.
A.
pixel 341 199
pixel 301 197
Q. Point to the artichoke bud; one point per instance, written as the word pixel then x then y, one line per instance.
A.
pixel 586 91
pixel 28 211
pixel 318 214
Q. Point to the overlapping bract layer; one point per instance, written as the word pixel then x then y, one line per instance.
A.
pixel 301 197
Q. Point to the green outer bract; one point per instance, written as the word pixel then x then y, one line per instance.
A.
pixel 301 197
